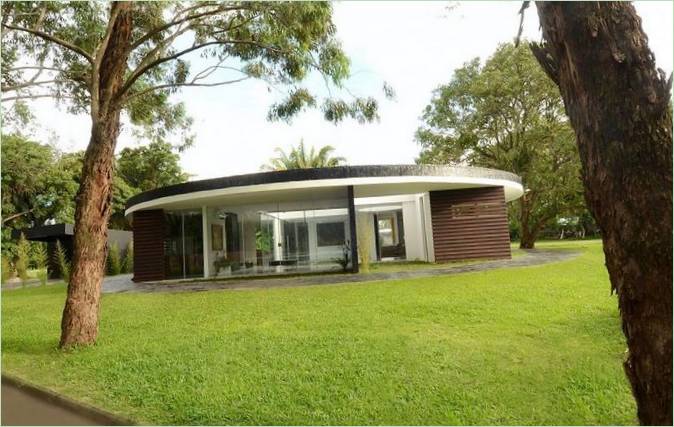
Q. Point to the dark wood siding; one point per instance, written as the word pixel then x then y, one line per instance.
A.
pixel 148 245
pixel 470 223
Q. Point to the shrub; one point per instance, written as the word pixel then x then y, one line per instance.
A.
pixel 42 275
pixel 22 258
pixel 40 259
pixel 114 260
pixel 127 264
pixel 40 256
pixel 6 269
pixel 62 262
pixel 345 259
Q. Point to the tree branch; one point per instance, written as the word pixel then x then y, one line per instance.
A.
pixel 143 69
pixel 175 22
pixel 191 84
pixel 17 215
pixel 55 40
pixel 26 84
pixel 31 96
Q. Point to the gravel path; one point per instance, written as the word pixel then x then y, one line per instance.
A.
pixel 120 284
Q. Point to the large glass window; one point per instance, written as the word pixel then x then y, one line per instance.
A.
pixel 330 233
pixel 278 238
pixel 183 245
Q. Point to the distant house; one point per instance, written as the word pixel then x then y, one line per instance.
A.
pixel 306 220
pixel 64 233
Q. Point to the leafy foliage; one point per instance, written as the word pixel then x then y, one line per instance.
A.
pixel 22 258
pixel 6 269
pixel 507 114
pixel 40 183
pixel 127 263
pixel 62 261
pixel 40 255
pixel 114 260
pixel 34 187
pixel 300 158
pixel 280 43
pixel 150 166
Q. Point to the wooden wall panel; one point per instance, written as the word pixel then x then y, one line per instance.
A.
pixel 148 245
pixel 469 223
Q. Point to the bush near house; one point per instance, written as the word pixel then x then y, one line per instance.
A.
pixel 114 261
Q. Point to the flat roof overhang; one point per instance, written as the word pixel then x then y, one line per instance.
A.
pixel 323 184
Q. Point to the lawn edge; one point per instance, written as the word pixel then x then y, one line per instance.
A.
pixel 101 416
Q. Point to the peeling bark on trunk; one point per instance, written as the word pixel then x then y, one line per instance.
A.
pixel 79 325
pixel 619 106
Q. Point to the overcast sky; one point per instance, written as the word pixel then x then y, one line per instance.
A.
pixel 414 46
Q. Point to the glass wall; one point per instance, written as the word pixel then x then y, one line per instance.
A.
pixel 183 246
pixel 290 237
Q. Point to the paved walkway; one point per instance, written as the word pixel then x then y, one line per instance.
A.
pixel 28 405
pixel 532 257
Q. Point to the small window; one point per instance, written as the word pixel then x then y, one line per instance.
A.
pixel 330 233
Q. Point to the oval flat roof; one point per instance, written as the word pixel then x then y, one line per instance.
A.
pixel 368 181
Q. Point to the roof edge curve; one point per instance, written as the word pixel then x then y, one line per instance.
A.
pixel 337 172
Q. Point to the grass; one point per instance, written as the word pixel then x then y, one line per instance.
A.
pixel 535 345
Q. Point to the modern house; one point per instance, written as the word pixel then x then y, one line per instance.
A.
pixel 312 220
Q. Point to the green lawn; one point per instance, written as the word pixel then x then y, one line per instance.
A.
pixel 536 345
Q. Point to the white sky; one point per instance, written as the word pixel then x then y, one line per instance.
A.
pixel 414 46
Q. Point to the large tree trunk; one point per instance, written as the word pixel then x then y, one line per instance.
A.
pixel 79 325
pixel 619 106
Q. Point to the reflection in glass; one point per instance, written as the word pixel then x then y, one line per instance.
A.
pixel 183 245
pixel 268 239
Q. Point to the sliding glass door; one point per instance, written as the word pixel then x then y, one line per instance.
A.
pixel 183 246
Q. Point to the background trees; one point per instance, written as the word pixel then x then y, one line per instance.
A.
pixel 507 115
pixel 299 158
pixel 39 183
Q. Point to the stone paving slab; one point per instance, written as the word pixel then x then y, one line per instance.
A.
pixel 531 258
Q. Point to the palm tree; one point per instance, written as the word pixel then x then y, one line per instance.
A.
pixel 300 158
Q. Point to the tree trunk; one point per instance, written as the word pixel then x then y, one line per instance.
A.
pixel 528 239
pixel 619 107
pixel 79 325
pixel 527 235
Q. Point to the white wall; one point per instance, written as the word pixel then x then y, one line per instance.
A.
pixel 414 232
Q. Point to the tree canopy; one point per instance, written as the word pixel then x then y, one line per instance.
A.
pixel 151 166
pixel 39 183
pixel 51 49
pixel 301 158
pixel 506 114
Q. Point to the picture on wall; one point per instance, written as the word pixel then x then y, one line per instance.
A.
pixel 216 237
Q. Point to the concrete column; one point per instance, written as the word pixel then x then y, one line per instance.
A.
pixel 352 230
pixel 428 226
pixel 205 238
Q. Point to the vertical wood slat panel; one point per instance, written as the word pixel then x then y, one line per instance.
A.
pixel 148 245
pixel 469 223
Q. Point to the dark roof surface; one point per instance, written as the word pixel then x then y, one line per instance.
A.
pixel 60 231
pixel 371 171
